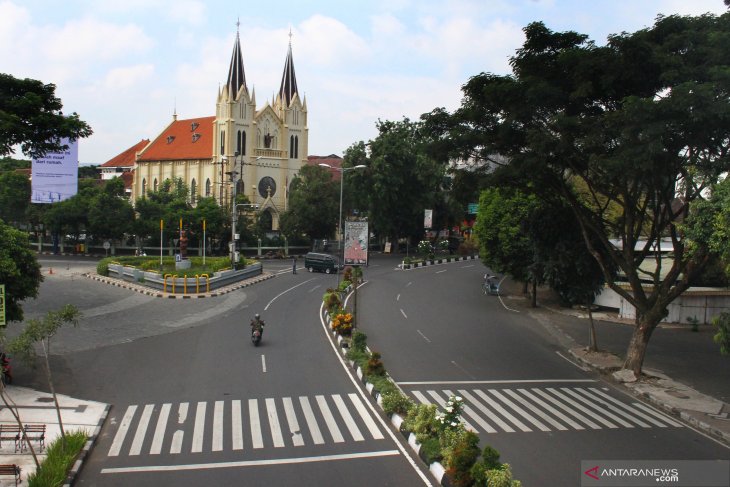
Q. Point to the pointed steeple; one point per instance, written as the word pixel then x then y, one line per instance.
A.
pixel 236 74
pixel 288 80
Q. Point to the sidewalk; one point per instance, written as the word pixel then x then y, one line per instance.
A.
pixel 675 395
pixel 38 408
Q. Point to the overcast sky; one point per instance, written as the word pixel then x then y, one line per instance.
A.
pixel 124 66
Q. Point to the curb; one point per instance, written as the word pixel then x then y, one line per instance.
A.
pixel 446 260
pixel 159 294
pixel 79 463
pixel 436 469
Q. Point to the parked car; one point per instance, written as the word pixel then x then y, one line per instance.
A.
pixel 321 262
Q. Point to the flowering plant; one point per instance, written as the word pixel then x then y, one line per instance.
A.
pixel 342 323
pixel 451 419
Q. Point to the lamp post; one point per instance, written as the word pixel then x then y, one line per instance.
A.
pixel 342 171
pixel 233 175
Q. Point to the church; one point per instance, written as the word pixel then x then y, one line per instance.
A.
pixel 239 150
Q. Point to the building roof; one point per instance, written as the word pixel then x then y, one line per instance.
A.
pixel 182 140
pixel 236 73
pixel 128 179
pixel 288 79
pixel 127 158
pixel 332 160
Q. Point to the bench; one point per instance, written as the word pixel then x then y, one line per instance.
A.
pixel 10 432
pixel 11 469
pixel 35 432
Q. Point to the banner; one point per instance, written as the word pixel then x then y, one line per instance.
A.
pixel 356 243
pixel 428 219
pixel 55 177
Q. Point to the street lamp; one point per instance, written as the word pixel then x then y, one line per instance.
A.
pixel 233 175
pixel 342 171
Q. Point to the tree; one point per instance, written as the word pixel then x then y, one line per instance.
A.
pixel 31 116
pixel 313 204
pixel 41 331
pixel 110 214
pixel 14 196
pixel 641 123
pixel 19 270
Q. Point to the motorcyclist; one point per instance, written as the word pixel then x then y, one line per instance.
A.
pixel 257 324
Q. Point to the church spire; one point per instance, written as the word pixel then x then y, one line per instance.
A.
pixel 288 80
pixel 236 75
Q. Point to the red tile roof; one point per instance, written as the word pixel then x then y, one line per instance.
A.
pixel 126 158
pixel 180 142
pixel 128 179
pixel 332 160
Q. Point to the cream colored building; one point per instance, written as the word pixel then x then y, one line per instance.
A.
pixel 260 150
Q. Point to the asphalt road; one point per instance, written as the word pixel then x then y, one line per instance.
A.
pixel 439 335
pixel 195 403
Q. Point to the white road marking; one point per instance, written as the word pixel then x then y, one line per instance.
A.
pixel 497 407
pixel 144 422
pixel 236 425
pixel 177 437
pixel 605 404
pixel 156 447
pixel 565 408
pixel 251 463
pixel 424 336
pixel 311 421
pixel 374 431
pixel 600 407
pixel 122 431
pixel 329 420
pixel 397 298
pixel 199 430
pixel 218 426
pixel 315 288
pixel 535 410
pixel 349 421
pixel 473 415
pixel 274 423
pixel 467 266
pixel 590 413
pixel 439 272
pixel 253 413
pixel 291 418
pixel 441 402
pixel 456 382
pixel 263 362
pixel 585 369
pixel 403 313
pixel 286 291
pixel 658 414
pixel 519 410
pixel 551 409
pixel 409 283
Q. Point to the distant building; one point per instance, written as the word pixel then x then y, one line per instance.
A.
pixel 268 145
pixel 335 162
pixel 122 165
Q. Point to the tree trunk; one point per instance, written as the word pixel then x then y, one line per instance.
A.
pixel 592 339
pixel 638 343
pixel 534 293
pixel 46 346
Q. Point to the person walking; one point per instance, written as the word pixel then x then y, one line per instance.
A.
pixel 294 264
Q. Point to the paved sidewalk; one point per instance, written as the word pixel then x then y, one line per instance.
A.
pixel 38 407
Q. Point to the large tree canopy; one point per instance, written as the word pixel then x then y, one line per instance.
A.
pixel 31 116
pixel 19 270
pixel 640 124
pixel 313 204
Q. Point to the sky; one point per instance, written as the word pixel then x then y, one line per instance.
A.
pixel 126 66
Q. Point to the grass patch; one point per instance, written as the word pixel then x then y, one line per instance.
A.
pixel 152 264
pixel 53 470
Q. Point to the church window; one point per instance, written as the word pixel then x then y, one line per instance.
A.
pixel 238 143
pixel 144 186
pixel 296 147
pixel 207 187
pixel 193 191
pixel 291 147
pixel 223 142
pixel 243 143
pixel 154 185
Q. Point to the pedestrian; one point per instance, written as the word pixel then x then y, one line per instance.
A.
pixel 294 264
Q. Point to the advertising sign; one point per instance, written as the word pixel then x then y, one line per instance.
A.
pixel 356 243
pixel 428 219
pixel 56 175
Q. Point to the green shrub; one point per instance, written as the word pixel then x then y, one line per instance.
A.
pixel 407 261
pixel 396 402
pixel 497 477
pixel 421 420
pixel 332 301
pixel 360 357
pixel 359 341
pixel 430 450
pixel 451 419
pixel 460 453
pixel 53 470
pixel 374 366
pixel 102 267
pixel 343 285
pixel 722 337
pixel 382 384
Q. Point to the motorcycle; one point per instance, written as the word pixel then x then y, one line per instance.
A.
pixel 256 337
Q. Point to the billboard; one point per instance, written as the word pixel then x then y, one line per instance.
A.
pixel 356 243
pixel 56 175
pixel 428 219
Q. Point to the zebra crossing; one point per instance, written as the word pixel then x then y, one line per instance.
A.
pixel 500 410
pixel 236 424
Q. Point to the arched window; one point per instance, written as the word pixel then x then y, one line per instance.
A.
pixel 291 147
pixel 207 187
pixel 144 186
pixel 154 185
pixel 238 143
pixel 223 142
pixel 243 143
pixel 193 191
pixel 240 188
pixel 296 147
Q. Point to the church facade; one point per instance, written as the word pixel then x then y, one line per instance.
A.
pixel 239 150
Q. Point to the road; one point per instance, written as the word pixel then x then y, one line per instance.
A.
pixel 439 335
pixel 194 403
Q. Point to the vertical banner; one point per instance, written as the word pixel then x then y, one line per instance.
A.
pixel 55 177
pixel 428 219
pixel 356 243
pixel 2 305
